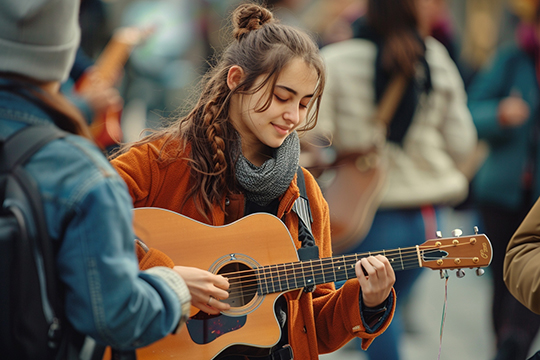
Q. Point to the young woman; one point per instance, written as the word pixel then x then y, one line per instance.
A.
pixel 237 153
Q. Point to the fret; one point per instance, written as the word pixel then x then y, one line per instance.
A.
pixel 318 271
pixel 268 278
pixel 308 278
pixel 282 277
pixel 401 259
pixel 347 269
pixel 314 277
pixel 326 270
pixel 333 269
pixel 289 276
pixel 294 268
pixel 273 274
pixel 262 282
pixel 340 269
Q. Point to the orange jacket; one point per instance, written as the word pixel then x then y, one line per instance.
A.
pixel 319 322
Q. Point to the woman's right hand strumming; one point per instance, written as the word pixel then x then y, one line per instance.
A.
pixel 206 289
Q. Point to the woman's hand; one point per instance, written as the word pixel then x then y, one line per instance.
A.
pixel 377 284
pixel 513 111
pixel 206 289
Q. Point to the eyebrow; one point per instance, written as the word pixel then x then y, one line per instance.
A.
pixel 292 91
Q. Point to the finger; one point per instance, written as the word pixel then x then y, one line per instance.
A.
pixel 361 272
pixel 220 305
pixel 371 265
pixel 214 306
pixel 388 267
pixel 220 294
pixel 207 309
pixel 221 282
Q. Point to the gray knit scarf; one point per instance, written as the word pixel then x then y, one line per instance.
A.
pixel 267 182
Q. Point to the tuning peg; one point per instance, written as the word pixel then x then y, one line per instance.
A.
pixel 457 232
pixel 479 272
pixel 475 230
pixel 438 233
pixel 444 274
pixel 460 273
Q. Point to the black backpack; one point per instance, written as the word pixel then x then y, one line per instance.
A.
pixel 32 325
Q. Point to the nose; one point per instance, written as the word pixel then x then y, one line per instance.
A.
pixel 292 114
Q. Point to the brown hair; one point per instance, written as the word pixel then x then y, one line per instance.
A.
pixel 397 22
pixel 261 47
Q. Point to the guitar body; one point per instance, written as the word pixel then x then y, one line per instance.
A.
pixel 255 240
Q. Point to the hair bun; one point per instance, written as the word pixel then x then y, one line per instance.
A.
pixel 249 17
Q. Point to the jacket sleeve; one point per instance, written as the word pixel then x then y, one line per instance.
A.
pixel 522 261
pixel 136 167
pixel 485 92
pixel 107 296
pixel 337 312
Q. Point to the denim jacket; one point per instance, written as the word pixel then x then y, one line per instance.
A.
pixel 88 210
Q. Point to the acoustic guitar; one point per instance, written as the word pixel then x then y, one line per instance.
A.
pixel 105 127
pixel 258 256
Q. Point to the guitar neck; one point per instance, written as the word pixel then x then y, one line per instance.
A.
pixel 114 56
pixel 290 276
pixel 112 60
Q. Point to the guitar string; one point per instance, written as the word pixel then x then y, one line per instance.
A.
pixel 320 268
pixel 404 254
pixel 316 269
pixel 241 289
pixel 276 283
pixel 277 286
pixel 329 260
pixel 242 292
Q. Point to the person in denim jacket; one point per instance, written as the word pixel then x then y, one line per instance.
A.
pixel 87 206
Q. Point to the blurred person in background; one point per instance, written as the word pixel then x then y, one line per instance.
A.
pixel 430 134
pixel 504 102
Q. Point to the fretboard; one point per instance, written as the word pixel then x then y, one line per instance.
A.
pixel 296 275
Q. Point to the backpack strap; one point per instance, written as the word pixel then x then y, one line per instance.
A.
pixel 308 251
pixel 14 152
pixel 19 147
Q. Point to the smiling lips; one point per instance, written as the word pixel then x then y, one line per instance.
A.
pixel 281 130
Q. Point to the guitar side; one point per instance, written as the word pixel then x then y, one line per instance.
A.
pixel 260 239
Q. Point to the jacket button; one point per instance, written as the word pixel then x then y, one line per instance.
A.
pixel 227 202
pixel 304 329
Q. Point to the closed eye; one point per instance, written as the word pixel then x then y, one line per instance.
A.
pixel 279 99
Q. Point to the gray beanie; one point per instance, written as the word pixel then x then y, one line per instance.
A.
pixel 39 38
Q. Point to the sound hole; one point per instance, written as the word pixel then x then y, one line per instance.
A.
pixel 242 283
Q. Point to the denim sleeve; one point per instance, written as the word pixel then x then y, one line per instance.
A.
pixel 107 297
pixel 373 318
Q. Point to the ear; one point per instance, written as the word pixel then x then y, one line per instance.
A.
pixel 234 76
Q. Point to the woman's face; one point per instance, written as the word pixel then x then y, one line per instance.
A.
pixel 430 13
pixel 262 131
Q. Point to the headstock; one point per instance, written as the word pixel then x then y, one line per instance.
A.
pixel 457 252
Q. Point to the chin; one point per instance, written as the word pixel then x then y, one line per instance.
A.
pixel 275 144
